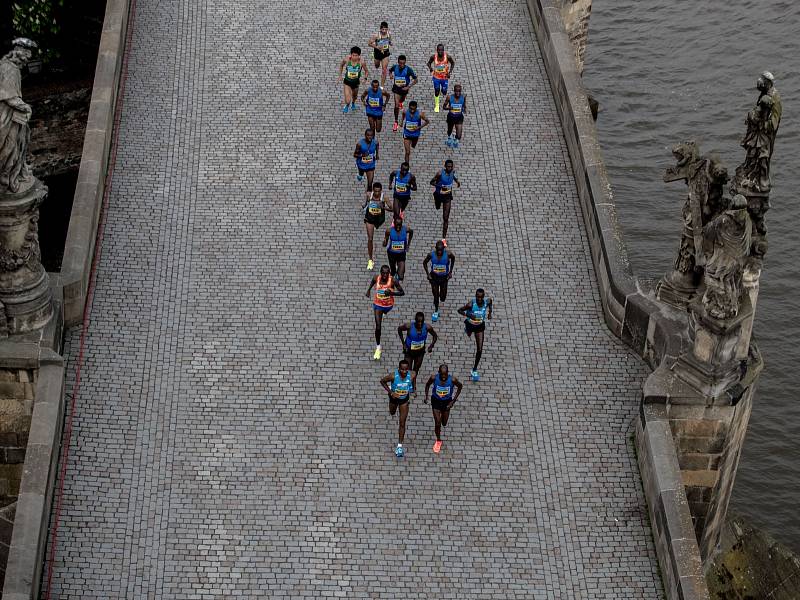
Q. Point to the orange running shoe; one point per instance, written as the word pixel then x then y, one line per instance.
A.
pixel 444 242
pixel 437 446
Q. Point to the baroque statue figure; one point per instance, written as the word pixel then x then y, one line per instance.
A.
pixel 14 116
pixel 705 177
pixel 752 177
pixel 728 235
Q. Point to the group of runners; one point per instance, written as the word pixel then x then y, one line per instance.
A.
pixel 442 387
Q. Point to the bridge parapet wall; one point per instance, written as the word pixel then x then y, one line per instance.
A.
pixel 689 442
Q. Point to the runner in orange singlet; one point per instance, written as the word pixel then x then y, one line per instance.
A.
pixel 441 67
pixel 386 288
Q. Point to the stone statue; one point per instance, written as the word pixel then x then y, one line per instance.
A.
pixel 705 177
pixel 752 178
pixel 728 234
pixel 25 295
pixel 14 117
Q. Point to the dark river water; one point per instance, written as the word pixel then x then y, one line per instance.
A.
pixel 664 72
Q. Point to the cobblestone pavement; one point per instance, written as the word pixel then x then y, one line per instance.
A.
pixel 231 438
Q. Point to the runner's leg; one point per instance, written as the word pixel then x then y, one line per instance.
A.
pixel 445 218
pixel 437 424
pixel 416 362
pixel 378 320
pixel 435 291
pixel 445 417
pixel 370 177
pixel 401 269
pixel 459 130
pixel 407 150
pixel 401 433
pixel 478 348
pixel 370 232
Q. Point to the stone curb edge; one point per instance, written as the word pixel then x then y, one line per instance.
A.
pixel 90 189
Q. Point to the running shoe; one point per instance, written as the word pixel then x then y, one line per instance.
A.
pixel 399 452
pixel 435 316
pixel 449 142
pixel 444 242
pixel 354 107
pixel 475 376
pixel 437 446
pixel 346 108
pixel 395 127
pixel 456 143
pixel 436 104
pixel 370 265
pixel 359 177
pixel 400 106
pixel 377 355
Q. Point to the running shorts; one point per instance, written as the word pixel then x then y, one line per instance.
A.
pixel 472 328
pixel 439 404
pixel 440 85
pixel 454 119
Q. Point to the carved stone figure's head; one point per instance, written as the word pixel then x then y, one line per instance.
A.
pixel 686 152
pixel 717 172
pixel 22 51
pixel 765 82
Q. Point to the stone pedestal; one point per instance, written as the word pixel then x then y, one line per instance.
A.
pixel 25 296
pixel 678 289
pixel 718 348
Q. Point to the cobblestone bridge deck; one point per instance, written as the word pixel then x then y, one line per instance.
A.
pixel 231 438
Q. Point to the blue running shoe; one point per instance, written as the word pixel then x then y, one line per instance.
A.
pixel 346 109
pixel 475 376
pixel 354 107
pixel 435 316
pixel 399 452
pixel 449 142
pixel 456 143
pixel 359 177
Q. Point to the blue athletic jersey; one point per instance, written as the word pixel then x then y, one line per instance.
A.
pixel 478 312
pixel 415 340
pixel 401 387
pixel 445 183
pixel 402 77
pixel 374 105
pixel 413 124
pixel 398 240
pixel 457 105
pixel 440 266
pixel 367 159
pixel 402 185
pixel 442 390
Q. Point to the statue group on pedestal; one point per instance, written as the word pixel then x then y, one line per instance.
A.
pixel 14 116
pixel 724 234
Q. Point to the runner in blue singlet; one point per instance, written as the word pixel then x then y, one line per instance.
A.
pixel 443 193
pixel 404 78
pixel 412 122
pixel 402 182
pixel 456 106
pixel 416 339
pixel 442 400
pixel 397 240
pixel 400 386
pixel 438 267
pixel 374 100
pixel 366 155
pixel 476 313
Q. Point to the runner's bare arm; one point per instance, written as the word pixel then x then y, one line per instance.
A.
pixel 451 258
pixel 459 386
pixel 385 383
pixel 357 151
pixel 413 183
pixel 435 337
pixel 364 95
pixel 425 264
pixel 425 121
pixel 452 66
pixel 386 238
pixel 400 330
pixel 372 41
pixel 464 310
pixel 378 149
pixel 446 105
pixel 435 179
pixel 371 285
pixel 398 290
pixel 410 235
pixel 430 62
pixel 428 385
pixel 489 315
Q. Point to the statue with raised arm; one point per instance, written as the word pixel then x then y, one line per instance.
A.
pixel 728 236
pixel 14 116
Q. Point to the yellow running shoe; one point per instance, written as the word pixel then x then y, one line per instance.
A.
pixel 370 265
pixel 436 104
pixel 377 355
